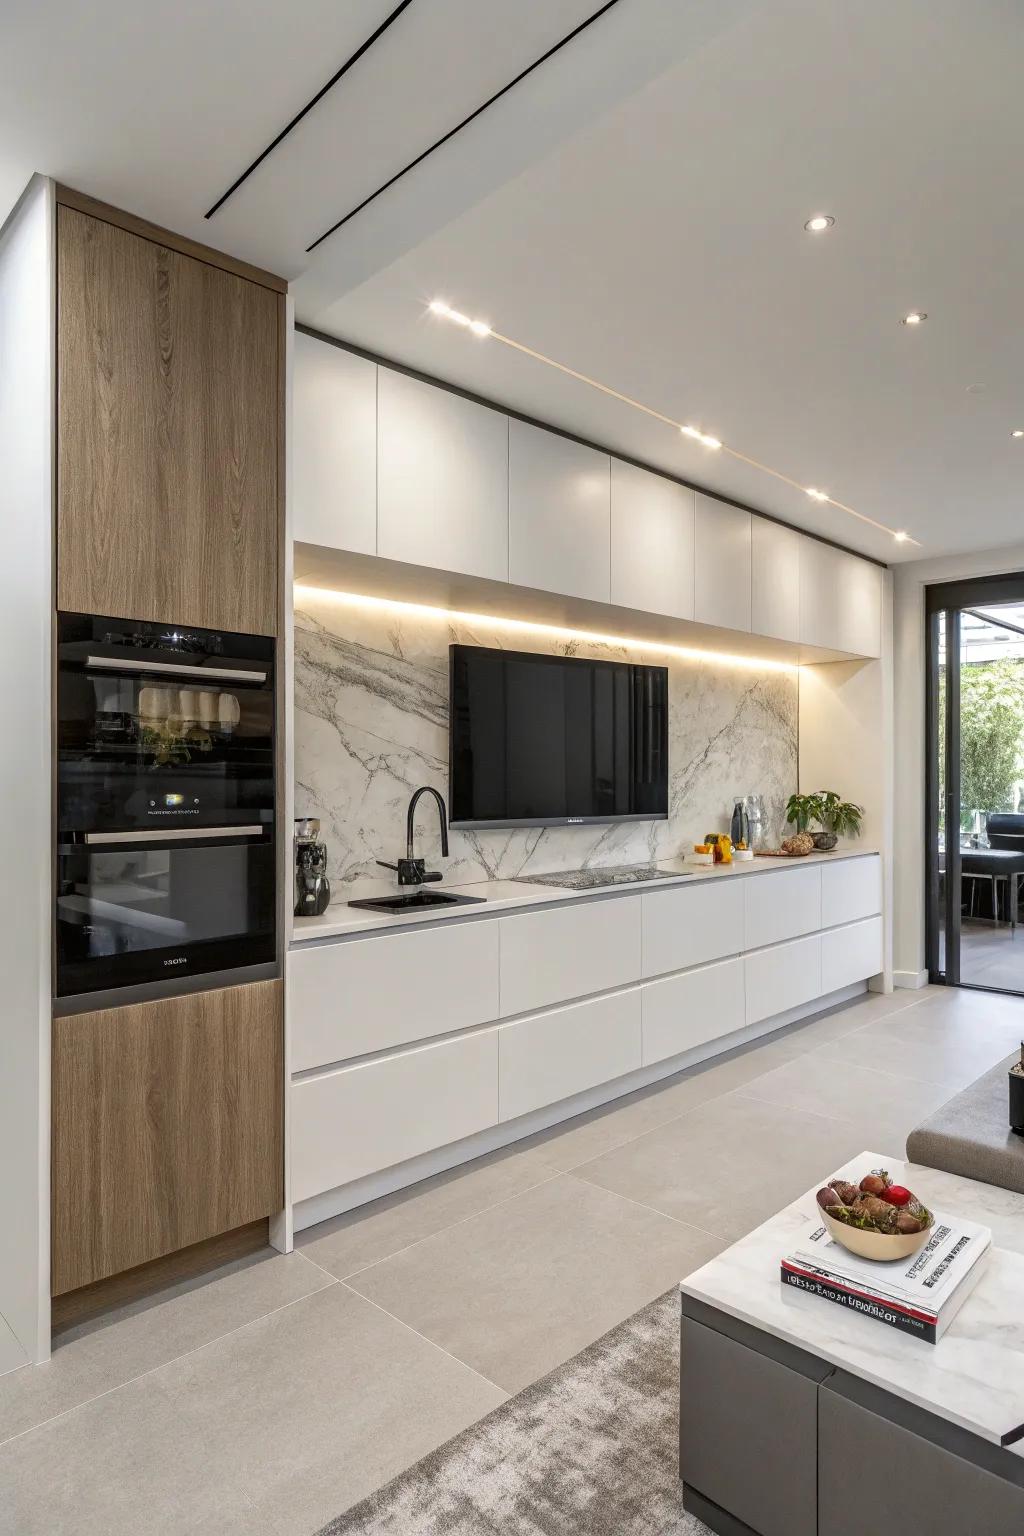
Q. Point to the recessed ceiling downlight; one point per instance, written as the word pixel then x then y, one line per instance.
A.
pixel 1017 432
pixel 819 223
pixel 916 317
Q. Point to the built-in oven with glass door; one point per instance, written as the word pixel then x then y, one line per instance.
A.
pixel 165 809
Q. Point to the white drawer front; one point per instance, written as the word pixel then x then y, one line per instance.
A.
pixel 689 925
pixel 782 977
pixel 850 890
pixel 362 1118
pixel 557 1054
pixel 782 905
pixel 683 1011
pixel 367 995
pixel 851 954
pixel 562 953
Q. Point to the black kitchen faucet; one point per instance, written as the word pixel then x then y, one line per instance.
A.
pixel 413 871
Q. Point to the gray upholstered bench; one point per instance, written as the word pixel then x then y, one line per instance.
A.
pixel 970 1136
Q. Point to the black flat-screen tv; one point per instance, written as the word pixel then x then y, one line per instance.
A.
pixel 554 740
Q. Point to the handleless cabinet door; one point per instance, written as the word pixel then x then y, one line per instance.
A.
pixel 168 416
pixel 775 580
pixel 443 479
pixel 555 1055
pixel 684 1011
pixel 850 889
pixel 852 953
pixel 334 447
pixel 559 514
pixel 781 905
pixel 784 976
pixel 652 542
pixel 689 925
pixel 567 952
pixel 840 600
pixel 167 1127
pixel 722 564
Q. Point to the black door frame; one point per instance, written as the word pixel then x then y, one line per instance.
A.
pixel 942 907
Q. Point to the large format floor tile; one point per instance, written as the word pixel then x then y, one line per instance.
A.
pixel 521 1288
pixel 362 1237
pixel 123 1464
pixel 137 1338
pixel 950 1040
pixel 320 1403
pixel 727 1165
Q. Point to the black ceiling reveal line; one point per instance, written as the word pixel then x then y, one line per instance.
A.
pixel 332 82
pixel 465 123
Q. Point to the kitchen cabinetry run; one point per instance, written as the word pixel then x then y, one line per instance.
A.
pixel 652 542
pixel 559 514
pixel 775 580
pixel 334 447
pixel 167 1127
pixel 550 956
pixel 840 600
pixel 557 1054
pixel 723 564
pixel 168 417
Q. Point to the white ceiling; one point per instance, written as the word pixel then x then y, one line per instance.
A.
pixel 634 209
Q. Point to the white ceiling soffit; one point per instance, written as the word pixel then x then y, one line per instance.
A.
pixel 660 249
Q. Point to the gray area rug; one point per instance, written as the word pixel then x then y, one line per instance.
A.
pixel 590 1450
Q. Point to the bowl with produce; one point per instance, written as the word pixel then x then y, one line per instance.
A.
pixel 875 1219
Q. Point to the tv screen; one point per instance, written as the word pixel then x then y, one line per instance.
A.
pixel 549 740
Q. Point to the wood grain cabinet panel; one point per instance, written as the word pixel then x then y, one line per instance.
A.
pixel 167 1127
pixel 168 417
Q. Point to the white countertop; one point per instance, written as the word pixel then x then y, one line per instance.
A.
pixel 974 1375
pixel 341 921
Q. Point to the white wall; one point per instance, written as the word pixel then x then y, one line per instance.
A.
pixel 910 746
pixel 26 605
pixel 847 744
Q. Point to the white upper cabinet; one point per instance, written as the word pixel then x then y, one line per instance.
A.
pixel 722 564
pixel 840 600
pixel 334 447
pixel 559 514
pixel 652 542
pixel 775 580
pixel 443 479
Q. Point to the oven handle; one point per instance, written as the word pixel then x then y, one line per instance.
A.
pixel 220 674
pixel 171 834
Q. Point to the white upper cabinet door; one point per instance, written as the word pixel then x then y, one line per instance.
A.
pixel 774 580
pixel 559 514
pixel 840 600
pixel 722 564
pixel 334 447
pixel 652 542
pixel 443 479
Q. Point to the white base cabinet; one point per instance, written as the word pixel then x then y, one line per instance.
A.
pixel 557 1054
pixel 525 1010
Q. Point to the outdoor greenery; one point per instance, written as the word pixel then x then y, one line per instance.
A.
pixel 991 735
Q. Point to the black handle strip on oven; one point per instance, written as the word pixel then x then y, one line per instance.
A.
pixel 169 834
pixel 182 669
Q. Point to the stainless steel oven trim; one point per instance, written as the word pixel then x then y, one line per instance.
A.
pixel 171 834
pixel 221 674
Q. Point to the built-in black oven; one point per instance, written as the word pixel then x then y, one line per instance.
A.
pixel 165 805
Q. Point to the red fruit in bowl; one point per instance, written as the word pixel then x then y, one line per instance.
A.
pixel 898 1194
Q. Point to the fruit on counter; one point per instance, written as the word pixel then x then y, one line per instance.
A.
pixel 875 1205
pixel 741 846
pixel 702 847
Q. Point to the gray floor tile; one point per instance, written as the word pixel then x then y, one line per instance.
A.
pixel 317 1405
pixel 727 1165
pixel 11 1353
pixel 847 1018
pixel 846 1091
pixel 949 1040
pixel 517 1290
pixel 123 1464
pixel 351 1242
pixel 586 1136
pixel 135 1339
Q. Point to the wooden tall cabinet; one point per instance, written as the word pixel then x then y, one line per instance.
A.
pixel 167 1127
pixel 168 428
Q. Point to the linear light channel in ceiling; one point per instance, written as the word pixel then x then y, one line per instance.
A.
pixel 550 631
pixel 484 330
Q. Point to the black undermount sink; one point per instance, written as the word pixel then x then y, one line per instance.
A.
pixel 415 901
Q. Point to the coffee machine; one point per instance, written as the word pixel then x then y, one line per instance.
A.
pixel 312 887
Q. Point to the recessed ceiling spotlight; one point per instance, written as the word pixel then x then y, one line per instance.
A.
pixel 817 495
pixel 1017 432
pixel 819 222
pixel 901 537
pixel 701 437
pixel 916 317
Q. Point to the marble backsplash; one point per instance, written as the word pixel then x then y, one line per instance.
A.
pixel 371 725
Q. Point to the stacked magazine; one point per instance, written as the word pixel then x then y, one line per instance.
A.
pixel 920 1295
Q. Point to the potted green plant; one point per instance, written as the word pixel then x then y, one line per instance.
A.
pixel 837 818
pixel 801 810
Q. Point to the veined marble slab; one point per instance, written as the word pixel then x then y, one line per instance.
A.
pixel 371 725
pixel 974 1375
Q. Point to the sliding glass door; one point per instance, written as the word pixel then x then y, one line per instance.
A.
pixel 975 783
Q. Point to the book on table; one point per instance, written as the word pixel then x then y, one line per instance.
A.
pixel 920 1295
